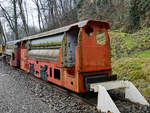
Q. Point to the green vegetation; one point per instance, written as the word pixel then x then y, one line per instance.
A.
pixel 142 54
pixel 47 44
pixel 135 70
pixel 100 37
pixel 130 45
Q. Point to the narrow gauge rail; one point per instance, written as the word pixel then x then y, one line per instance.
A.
pixel 89 98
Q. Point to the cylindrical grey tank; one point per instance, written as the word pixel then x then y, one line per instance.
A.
pixel 46 47
pixel 48 53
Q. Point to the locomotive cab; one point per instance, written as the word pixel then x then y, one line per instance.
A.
pixel 94 54
pixel 87 55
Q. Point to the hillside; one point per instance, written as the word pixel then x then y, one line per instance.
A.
pixel 130 45
pixel 131 57
pixel 136 70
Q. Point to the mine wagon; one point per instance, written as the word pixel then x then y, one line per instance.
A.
pixel 12 53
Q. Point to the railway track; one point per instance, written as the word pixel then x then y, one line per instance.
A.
pixel 90 98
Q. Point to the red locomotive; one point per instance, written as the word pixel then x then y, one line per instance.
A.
pixel 76 57
pixel 69 56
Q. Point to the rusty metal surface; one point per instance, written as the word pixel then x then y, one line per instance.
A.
pixel 90 58
pixel 64 29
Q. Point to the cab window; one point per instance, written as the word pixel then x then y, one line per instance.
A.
pixel 100 37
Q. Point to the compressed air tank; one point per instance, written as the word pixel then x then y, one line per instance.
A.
pixel 45 53
pixel 45 47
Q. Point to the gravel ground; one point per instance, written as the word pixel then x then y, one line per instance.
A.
pixel 21 94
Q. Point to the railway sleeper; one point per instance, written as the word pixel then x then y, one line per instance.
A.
pixel 104 101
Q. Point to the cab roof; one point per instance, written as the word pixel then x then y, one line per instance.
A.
pixel 67 28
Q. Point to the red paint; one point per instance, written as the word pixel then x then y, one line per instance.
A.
pixel 90 58
pixel 15 59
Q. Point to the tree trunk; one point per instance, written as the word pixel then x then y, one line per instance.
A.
pixel 57 14
pixel 2 35
pixel 15 19
pixel 23 17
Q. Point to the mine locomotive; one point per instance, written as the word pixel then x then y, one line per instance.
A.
pixel 76 57
pixel 72 56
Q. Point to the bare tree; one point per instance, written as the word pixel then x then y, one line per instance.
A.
pixel 2 34
pixel 51 14
pixel 7 17
pixel 40 20
pixel 23 17
pixel 12 21
pixel 15 19
pixel 33 24
pixel 43 8
pixel 56 12
pixel 26 12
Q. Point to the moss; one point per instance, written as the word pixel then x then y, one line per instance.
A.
pixel 135 70
pixel 47 44
pixel 100 38
pixel 126 45
pixel 146 91
pixel 121 44
pixel 64 51
pixel 141 54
